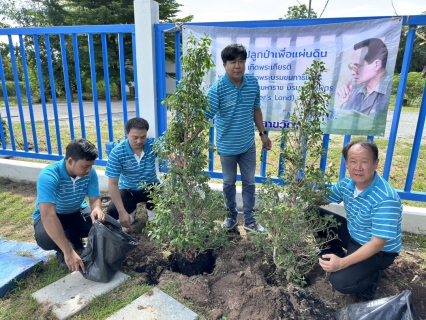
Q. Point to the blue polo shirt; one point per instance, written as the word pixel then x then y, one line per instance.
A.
pixel 233 109
pixel 123 165
pixel 376 211
pixel 54 185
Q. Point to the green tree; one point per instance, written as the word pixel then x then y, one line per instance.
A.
pixel 299 12
pixel 287 210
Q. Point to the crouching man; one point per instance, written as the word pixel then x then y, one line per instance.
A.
pixel 371 232
pixel 62 217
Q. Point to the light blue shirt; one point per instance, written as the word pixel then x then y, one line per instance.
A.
pixel 54 185
pixel 376 211
pixel 233 110
pixel 123 165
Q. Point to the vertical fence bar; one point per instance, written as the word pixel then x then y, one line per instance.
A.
pixel 211 153
pixel 135 75
pixel 264 159
pixel 42 94
pixel 178 61
pixel 53 90
pixel 18 92
pixel 342 173
pixel 6 104
pixel 107 90
pixel 416 144
pixel 160 53
pixel 122 75
pixel 68 92
pixel 95 93
pixel 324 157
pixel 28 89
pixel 78 81
pixel 2 137
pixel 399 100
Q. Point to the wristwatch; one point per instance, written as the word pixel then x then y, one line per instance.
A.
pixel 262 133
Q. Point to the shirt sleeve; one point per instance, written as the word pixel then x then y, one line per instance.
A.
pixel 93 186
pixel 213 97
pixel 256 103
pixel 113 167
pixel 336 195
pixel 47 186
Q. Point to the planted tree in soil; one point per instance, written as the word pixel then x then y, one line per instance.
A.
pixel 288 210
pixel 187 210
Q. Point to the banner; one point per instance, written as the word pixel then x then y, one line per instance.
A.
pixel 359 55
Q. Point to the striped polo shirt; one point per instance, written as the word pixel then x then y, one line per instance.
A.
pixel 376 211
pixel 54 185
pixel 123 165
pixel 233 108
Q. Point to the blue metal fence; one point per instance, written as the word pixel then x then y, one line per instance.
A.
pixel 411 21
pixel 52 49
pixel 63 47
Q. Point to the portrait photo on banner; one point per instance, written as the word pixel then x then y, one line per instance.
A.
pixel 360 57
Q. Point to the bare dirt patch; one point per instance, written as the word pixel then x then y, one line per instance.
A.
pixel 242 286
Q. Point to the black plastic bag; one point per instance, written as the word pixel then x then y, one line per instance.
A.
pixel 399 307
pixel 106 249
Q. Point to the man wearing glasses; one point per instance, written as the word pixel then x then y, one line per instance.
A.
pixel 369 89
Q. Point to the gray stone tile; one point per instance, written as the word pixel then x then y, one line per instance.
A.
pixel 71 294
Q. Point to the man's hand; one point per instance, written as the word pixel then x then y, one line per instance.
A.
pixel 266 142
pixel 124 219
pixel 344 93
pixel 330 263
pixel 73 261
pixel 97 214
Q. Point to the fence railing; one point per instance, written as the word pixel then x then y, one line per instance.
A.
pixel 412 22
pixel 61 62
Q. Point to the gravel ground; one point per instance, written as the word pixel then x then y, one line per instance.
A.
pixel 407 126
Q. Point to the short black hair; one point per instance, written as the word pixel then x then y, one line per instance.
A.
pixel 81 149
pixel 367 144
pixel 233 51
pixel 137 123
pixel 376 50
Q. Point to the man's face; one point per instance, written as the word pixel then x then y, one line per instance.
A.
pixel 79 168
pixel 235 69
pixel 361 71
pixel 137 138
pixel 361 166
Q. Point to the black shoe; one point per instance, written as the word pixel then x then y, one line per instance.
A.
pixel 370 292
pixel 229 223
pixel 61 259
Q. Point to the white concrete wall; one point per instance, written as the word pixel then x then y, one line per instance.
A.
pixel 413 219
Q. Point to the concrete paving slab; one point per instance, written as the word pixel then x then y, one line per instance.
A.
pixel 155 305
pixel 71 294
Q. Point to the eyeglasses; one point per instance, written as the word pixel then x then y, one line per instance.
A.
pixel 355 66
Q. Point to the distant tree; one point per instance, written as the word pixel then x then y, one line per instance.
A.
pixel 418 57
pixel 299 12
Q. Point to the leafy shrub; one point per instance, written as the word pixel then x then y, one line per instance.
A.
pixel 289 210
pixel 413 89
pixel 11 89
pixel 187 210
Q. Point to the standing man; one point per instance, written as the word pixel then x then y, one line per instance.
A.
pixel 371 232
pixel 62 217
pixel 131 163
pixel 368 70
pixel 235 103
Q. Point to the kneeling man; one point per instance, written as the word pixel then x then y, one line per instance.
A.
pixel 371 232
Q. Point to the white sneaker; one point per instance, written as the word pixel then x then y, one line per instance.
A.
pixel 133 216
pixel 151 214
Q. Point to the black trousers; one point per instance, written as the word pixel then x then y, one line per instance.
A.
pixel 130 200
pixel 75 228
pixel 360 276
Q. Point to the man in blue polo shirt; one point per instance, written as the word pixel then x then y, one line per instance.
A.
pixel 131 163
pixel 62 217
pixel 235 103
pixel 371 232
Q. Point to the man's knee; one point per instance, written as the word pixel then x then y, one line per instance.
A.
pixel 344 282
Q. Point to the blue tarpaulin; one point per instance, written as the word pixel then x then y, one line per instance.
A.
pixel 16 260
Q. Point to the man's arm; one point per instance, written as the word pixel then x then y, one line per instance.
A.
pixel 366 251
pixel 54 229
pixel 114 192
pixel 96 206
pixel 258 121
